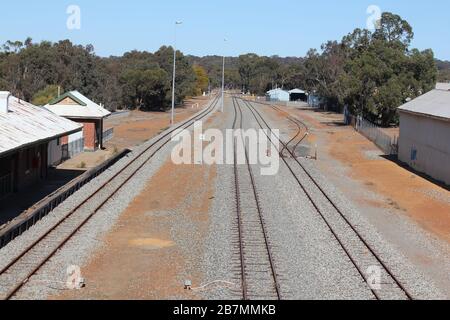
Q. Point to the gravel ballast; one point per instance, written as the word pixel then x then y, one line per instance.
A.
pixel 309 261
pixel 51 278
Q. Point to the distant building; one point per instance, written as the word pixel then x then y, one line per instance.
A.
pixel 76 107
pixel 298 95
pixel 443 86
pixel 26 131
pixel 424 142
pixel 277 95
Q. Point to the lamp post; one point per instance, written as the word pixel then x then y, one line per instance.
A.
pixel 223 79
pixel 172 119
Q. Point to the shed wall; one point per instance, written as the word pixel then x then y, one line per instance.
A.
pixel 54 152
pixel 424 145
pixel 278 95
pixel 90 133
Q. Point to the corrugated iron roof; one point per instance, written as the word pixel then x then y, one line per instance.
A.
pixel 67 95
pixel 25 124
pixel 299 91
pixel 276 90
pixel 435 103
pixel 90 110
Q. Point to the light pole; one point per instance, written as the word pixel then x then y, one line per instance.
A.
pixel 172 119
pixel 223 80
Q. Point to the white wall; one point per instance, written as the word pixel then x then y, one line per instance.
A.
pixel 431 139
pixel 54 153
pixel 279 95
pixel 75 136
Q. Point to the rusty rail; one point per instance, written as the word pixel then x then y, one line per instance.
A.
pixel 42 208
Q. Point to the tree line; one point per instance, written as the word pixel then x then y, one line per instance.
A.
pixel 136 80
pixel 372 73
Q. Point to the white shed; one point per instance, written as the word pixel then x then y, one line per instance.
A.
pixel 277 95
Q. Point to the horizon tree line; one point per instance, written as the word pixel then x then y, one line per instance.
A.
pixel 372 73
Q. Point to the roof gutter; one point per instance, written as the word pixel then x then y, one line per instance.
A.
pixel 87 118
pixel 424 115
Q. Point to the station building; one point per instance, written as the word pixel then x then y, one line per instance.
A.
pixel 78 108
pixel 424 142
pixel 26 131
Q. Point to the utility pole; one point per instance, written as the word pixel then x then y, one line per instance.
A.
pixel 172 119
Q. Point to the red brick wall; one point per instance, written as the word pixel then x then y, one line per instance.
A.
pixel 64 140
pixel 89 135
pixel 89 126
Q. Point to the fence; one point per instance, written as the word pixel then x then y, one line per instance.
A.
pixel 108 135
pixel 388 144
pixel 119 114
pixel 5 185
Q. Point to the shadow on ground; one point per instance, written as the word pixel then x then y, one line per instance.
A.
pixel 394 159
pixel 15 204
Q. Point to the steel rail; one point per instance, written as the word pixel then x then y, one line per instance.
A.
pixel 18 286
pixel 258 205
pixel 360 237
pixel 238 210
pixel 296 121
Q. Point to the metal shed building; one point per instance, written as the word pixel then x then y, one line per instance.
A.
pixel 424 142
pixel 277 95
pixel 298 95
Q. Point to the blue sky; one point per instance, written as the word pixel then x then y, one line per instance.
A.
pixel 282 27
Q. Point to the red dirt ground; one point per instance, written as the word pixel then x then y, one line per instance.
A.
pixel 426 203
pixel 131 131
pixel 141 258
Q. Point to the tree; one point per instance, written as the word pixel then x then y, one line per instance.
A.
pixel 443 70
pixel 371 73
pixel 145 89
pixel 394 31
pixel 46 95
pixel 202 80
pixel 247 66
pixel 325 74
pixel 185 75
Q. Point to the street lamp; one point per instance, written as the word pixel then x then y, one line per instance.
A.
pixel 172 119
pixel 223 79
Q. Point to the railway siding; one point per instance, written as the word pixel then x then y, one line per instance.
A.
pixel 399 280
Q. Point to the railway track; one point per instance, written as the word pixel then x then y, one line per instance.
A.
pixel 258 275
pixel 360 253
pixel 301 128
pixel 17 272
